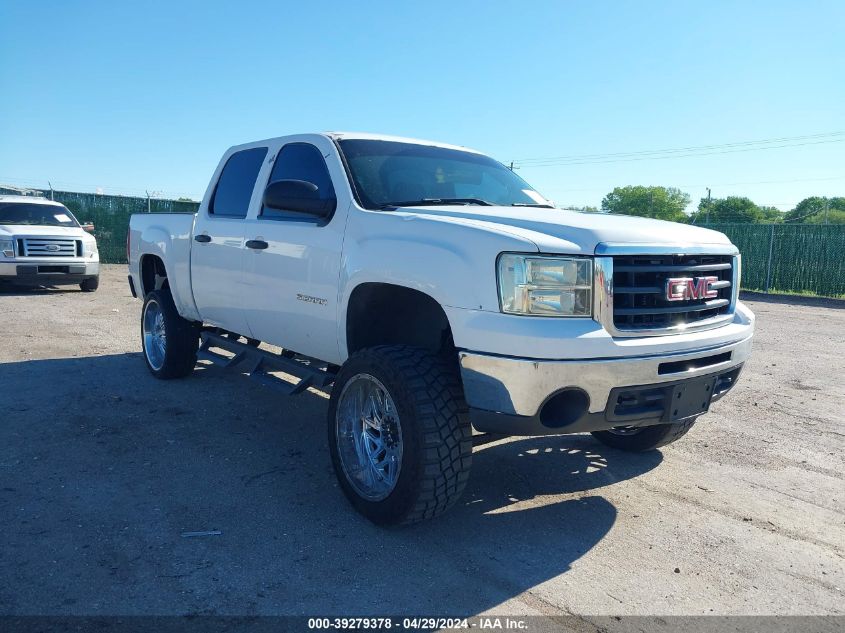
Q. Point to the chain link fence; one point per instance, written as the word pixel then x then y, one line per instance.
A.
pixel 798 258
pixel 110 215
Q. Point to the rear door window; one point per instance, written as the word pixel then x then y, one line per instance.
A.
pixel 237 181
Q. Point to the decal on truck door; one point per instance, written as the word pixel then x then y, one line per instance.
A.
pixel 310 299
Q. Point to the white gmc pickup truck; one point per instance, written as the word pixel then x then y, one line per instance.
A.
pixel 437 292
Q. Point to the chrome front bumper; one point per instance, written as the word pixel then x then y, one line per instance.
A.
pixel 57 271
pixel 518 386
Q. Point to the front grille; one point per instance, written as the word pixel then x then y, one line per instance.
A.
pixel 49 247
pixel 639 291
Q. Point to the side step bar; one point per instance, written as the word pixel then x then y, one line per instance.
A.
pixel 257 363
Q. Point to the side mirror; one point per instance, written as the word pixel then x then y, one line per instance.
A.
pixel 299 196
pixel 87 227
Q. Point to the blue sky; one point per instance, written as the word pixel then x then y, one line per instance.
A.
pixel 134 96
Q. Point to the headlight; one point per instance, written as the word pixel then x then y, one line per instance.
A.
pixel 90 248
pixel 546 286
pixel 7 247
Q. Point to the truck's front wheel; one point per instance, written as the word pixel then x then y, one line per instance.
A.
pixel 399 434
pixel 90 285
pixel 644 438
pixel 169 341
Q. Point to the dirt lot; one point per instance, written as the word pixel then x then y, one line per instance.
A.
pixel 102 468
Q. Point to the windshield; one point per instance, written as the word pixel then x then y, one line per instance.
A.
pixel 38 214
pixel 389 174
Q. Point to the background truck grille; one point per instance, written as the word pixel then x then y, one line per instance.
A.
pixel 49 247
pixel 639 290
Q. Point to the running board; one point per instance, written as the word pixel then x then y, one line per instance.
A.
pixel 258 363
pixel 480 439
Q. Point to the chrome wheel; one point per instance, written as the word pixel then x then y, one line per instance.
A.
pixel 155 338
pixel 369 437
pixel 625 430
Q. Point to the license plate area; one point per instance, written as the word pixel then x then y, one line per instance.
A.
pixel 690 397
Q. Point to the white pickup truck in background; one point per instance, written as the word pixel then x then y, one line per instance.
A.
pixel 41 243
pixel 437 292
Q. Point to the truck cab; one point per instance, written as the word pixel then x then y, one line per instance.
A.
pixel 443 294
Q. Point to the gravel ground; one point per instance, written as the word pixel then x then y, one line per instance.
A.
pixel 102 468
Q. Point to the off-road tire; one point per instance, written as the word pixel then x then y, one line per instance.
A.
pixel 647 438
pixel 90 284
pixel 182 338
pixel 436 432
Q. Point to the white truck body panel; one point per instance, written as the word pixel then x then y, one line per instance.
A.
pixel 573 233
pixel 168 237
pixel 302 262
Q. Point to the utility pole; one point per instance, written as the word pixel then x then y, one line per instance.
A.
pixel 708 205
pixel 51 189
pixel 826 208
pixel 148 200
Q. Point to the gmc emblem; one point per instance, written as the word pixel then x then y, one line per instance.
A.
pixel 689 288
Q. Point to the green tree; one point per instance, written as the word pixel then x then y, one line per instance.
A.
pixel 818 210
pixel 584 209
pixel 664 203
pixel 729 210
pixel 772 215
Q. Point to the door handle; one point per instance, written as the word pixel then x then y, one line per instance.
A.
pixel 258 245
pixel 202 238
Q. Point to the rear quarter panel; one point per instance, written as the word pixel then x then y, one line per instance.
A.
pixel 167 236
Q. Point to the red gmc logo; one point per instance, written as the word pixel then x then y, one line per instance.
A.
pixel 689 288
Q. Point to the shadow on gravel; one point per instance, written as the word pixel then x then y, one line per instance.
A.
pixel 12 290
pixel 798 300
pixel 104 468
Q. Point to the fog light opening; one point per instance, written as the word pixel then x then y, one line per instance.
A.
pixel 564 408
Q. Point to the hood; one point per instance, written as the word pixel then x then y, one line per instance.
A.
pixel 559 231
pixel 31 230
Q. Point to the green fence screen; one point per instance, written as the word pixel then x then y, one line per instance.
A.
pixel 802 258
pixel 110 217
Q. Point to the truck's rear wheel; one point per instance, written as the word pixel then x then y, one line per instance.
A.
pixel 643 438
pixel 399 434
pixel 169 341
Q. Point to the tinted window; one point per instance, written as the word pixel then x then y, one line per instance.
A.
pixel 390 173
pixel 234 189
pixel 300 161
pixel 36 214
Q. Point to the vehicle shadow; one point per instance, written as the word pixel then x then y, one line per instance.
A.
pixel 104 471
pixel 13 290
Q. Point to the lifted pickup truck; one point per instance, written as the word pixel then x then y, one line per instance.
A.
pixel 41 243
pixel 437 291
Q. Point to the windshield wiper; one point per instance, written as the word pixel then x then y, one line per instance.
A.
pixel 532 204
pixel 434 202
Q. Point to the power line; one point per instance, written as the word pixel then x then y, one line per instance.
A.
pixel 724 184
pixel 689 155
pixel 684 152
pixel 781 139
